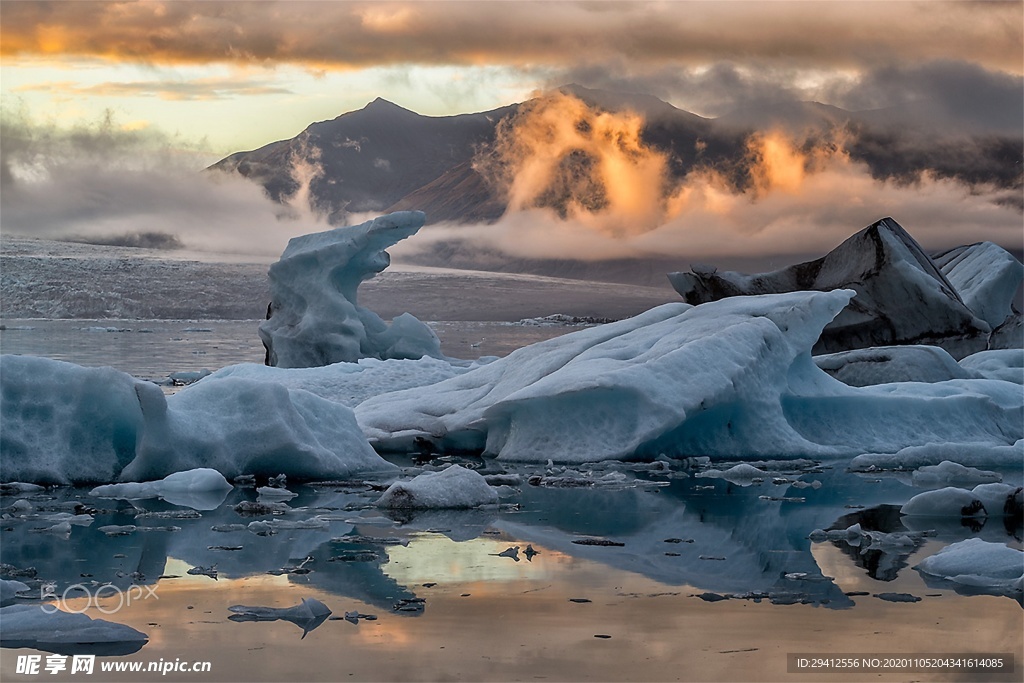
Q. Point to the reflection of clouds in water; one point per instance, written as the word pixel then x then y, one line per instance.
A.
pixel 433 557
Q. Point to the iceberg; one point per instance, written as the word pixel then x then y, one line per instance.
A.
pixel 986 276
pixel 201 489
pixel 902 297
pixel 887 364
pixel 350 383
pixel 948 473
pixel 969 455
pixel 65 424
pixel 314 318
pixel 453 487
pixel 9 590
pixel 241 426
pixel 984 500
pixel 732 379
pixel 1004 364
pixel 977 566
pixel 66 633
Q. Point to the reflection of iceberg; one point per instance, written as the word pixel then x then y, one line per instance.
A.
pixel 66 633
pixel 307 615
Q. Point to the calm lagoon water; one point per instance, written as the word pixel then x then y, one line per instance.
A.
pixel 645 575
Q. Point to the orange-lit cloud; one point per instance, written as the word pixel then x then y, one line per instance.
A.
pixel 359 34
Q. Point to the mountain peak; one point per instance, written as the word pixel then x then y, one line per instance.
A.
pixel 381 105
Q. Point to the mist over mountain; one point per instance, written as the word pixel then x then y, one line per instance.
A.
pixel 470 168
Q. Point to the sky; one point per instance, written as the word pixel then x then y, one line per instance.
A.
pixel 179 84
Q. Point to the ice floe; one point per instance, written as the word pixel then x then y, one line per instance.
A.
pixel 984 500
pixel 977 566
pixel 454 487
pixel 50 630
pixel 307 615
pixel 201 489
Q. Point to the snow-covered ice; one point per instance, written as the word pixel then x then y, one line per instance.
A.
pixel 453 487
pixel 314 318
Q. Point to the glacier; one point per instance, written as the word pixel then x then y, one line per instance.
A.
pixel 314 318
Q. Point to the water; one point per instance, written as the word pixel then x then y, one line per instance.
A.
pixel 571 611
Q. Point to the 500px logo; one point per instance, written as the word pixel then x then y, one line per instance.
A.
pixel 107 598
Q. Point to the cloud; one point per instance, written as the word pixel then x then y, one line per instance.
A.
pixel 200 89
pixel 101 183
pixel 359 34
pixel 583 184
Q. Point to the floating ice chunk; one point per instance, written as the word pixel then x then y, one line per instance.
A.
pixel 9 591
pixel 241 426
pixel 741 475
pixel 65 424
pixel 948 473
pixel 275 493
pixel 200 489
pixel 986 276
pixel 350 383
pixel 1004 364
pixel 307 615
pixel 985 500
pixel 314 319
pixel 454 487
pixel 967 454
pixel 14 487
pixel 66 633
pixel 977 564
pixel 885 364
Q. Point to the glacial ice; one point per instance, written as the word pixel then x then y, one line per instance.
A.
pixel 967 454
pixel 978 566
pixel 986 276
pixel 948 473
pixel 314 318
pixel 984 500
pixel 1004 364
pixel 349 383
pixel 887 364
pixel 66 632
pixel 453 487
pixel 9 591
pixel 240 426
pixel 730 378
pixel 902 296
pixel 65 424
pixel 200 489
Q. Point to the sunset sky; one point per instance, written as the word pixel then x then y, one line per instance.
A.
pixel 241 74
pixel 87 87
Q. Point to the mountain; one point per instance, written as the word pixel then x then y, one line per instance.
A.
pixel 384 157
pixel 370 158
